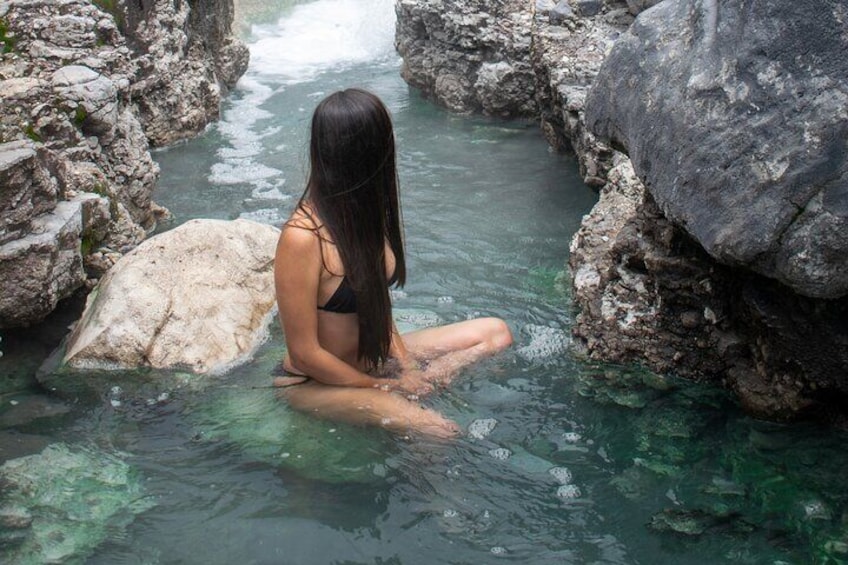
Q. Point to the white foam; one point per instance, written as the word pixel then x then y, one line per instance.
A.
pixel 321 36
pixel 313 38
pixel 268 216
pixel 478 429
pixel 237 171
pixel 568 492
pixel 561 474
pixel 500 453
pixel 545 343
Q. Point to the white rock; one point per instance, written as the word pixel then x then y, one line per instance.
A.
pixel 199 296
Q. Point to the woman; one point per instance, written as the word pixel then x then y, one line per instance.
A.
pixel 337 256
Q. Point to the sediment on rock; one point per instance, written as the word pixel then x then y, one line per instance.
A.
pixel 76 174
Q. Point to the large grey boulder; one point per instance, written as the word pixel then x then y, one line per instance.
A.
pixel 735 116
pixel 198 297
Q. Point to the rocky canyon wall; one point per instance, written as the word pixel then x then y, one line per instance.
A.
pixel 85 89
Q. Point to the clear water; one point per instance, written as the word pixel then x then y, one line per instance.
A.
pixel 564 461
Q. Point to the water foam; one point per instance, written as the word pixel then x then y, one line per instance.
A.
pixel 322 36
pixel 545 343
pixel 480 428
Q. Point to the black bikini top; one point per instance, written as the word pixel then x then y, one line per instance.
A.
pixel 343 300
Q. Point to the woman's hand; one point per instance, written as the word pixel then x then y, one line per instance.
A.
pixel 413 381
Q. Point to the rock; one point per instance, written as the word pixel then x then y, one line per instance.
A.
pixel 587 8
pixel 43 267
pixel 26 188
pixel 85 101
pixel 60 504
pixel 199 296
pixel 560 13
pixel 637 6
pixel 567 53
pixel 189 59
pixel 95 95
pixel 28 408
pixel 468 55
pixel 739 130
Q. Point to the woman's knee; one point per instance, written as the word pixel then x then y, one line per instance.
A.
pixel 497 333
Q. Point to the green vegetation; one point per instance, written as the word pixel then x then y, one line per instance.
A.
pixel 80 115
pixel 30 132
pixel 110 6
pixel 7 41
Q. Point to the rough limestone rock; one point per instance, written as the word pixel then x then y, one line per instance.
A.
pixel 736 117
pixel 568 50
pixel 199 297
pixel 188 59
pixel 644 288
pixel 84 92
pixel 468 55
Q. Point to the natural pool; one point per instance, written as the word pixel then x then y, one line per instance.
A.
pixel 564 462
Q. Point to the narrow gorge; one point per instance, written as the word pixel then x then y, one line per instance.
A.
pixel 716 135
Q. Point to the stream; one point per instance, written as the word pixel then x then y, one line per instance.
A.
pixel 564 461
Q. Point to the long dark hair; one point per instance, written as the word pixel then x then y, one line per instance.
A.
pixel 353 188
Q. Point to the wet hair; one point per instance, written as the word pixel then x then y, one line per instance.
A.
pixel 353 189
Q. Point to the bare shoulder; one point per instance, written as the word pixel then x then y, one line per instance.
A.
pixel 300 231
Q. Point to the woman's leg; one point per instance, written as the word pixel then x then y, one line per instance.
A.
pixel 447 349
pixel 368 406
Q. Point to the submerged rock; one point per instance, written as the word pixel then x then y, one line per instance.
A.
pixel 57 506
pixel 199 296
pixel 266 429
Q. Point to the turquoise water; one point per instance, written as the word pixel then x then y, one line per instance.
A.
pixel 564 461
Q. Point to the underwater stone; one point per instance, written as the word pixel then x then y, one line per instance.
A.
pixel 266 429
pixel 65 501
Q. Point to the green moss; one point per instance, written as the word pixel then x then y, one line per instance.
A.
pixel 7 41
pixel 30 132
pixel 100 188
pixel 80 115
pixel 86 245
pixel 112 7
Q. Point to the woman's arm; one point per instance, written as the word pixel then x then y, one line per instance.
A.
pixel 297 273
